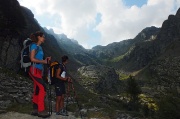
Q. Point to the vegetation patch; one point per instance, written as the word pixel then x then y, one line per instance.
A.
pixel 22 108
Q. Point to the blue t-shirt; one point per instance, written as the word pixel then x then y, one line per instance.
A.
pixel 38 55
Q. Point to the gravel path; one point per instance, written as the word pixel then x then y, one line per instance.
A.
pixel 16 115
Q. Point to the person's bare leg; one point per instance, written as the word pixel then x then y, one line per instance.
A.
pixel 58 101
pixel 62 102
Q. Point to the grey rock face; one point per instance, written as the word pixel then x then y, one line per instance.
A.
pixel 10 52
pixel 99 79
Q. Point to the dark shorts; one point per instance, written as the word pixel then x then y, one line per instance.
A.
pixel 60 89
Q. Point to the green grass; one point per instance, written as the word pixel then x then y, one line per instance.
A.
pixel 98 114
pixel 149 102
pixel 22 108
pixel 116 59
pixel 124 76
pixel 144 74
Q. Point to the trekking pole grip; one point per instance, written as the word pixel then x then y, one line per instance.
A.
pixel 48 62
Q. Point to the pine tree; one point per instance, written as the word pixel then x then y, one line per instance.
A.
pixel 133 91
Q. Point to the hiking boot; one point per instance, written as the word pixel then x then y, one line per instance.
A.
pixel 65 112
pixel 43 114
pixel 62 112
pixel 34 112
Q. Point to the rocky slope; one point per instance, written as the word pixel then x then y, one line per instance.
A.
pixel 14 89
pixel 100 79
pixel 114 50
pixel 16 115
pixel 9 32
pixel 73 49
pixel 144 53
pixel 164 69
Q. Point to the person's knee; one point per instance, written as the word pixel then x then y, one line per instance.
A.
pixel 42 89
pixel 58 98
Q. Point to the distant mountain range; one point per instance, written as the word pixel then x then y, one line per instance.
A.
pixel 116 54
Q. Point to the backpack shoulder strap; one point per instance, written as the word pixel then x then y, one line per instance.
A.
pixel 62 67
pixel 54 63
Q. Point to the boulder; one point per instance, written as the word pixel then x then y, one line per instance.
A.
pixel 100 79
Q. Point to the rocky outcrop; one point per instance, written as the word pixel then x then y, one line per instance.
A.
pixel 12 23
pixel 169 32
pixel 147 34
pixel 9 53
pixel 100 79
pixel 17 23
pixel 11 17
pixel 165 70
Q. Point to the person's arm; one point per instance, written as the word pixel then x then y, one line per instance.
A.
pixel 33 59
pixel 58 71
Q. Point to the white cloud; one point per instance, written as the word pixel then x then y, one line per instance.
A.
pixel 76 16
pixel 118 22
pixel 177 4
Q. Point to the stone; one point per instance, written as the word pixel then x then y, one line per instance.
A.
pixel 100 79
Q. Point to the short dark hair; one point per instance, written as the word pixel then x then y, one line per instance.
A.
pixel 64 58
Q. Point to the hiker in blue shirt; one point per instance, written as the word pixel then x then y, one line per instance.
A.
pixel 35 72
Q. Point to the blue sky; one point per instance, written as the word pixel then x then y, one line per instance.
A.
pixel 100 22
pixel 138 3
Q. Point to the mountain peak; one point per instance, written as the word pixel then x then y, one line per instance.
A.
pixel 178 13
pixel 147 33
pixel 63 36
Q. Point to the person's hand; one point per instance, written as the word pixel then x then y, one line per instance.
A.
pixel 69 79
pixel 48 59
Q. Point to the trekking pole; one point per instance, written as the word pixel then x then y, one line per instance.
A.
pixel 67 95
pixel 75 97
pixel 49 88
